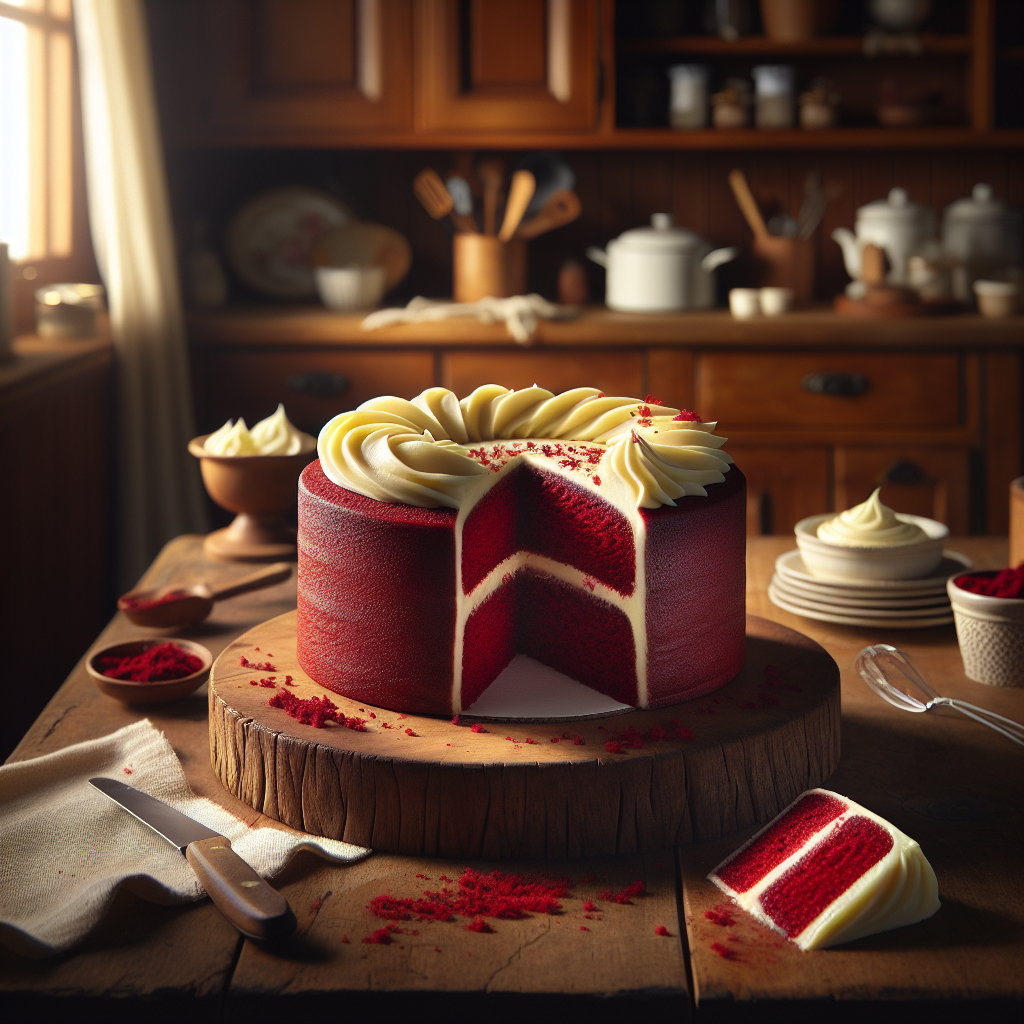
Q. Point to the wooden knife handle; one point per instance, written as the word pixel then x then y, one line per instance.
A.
pixel 245 899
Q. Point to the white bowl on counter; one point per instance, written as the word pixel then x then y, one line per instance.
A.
pixel 838 562
pixel 351 288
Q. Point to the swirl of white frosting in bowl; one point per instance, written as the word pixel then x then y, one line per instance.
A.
pixel 870 525
pixel 274 435
pixel 421 452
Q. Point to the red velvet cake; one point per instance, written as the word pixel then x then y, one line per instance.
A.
pixel 604 537
pixel 827 871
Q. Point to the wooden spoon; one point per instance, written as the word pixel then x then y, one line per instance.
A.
pixel 430 190
pixel 519 195
pixel 178 606
pixel 747 203
pixel 562 207
pixel 491 175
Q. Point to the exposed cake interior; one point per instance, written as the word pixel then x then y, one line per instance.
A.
pixel 828 871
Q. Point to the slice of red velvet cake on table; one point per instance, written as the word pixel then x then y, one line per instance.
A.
pixel 602 536
pixel 827 871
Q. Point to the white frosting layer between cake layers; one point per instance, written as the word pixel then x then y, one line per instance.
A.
pixel 900 889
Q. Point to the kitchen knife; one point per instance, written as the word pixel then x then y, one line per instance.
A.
pixel 245 899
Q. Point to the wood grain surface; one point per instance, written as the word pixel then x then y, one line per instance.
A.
pixel 429 786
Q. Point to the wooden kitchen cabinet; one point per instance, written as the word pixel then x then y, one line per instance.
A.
pixel 513 65
pixel 784 485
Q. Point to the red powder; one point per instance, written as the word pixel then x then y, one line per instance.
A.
pixel 810 885
pixel 160 663
pixel 478 925
pixel 633 889
pixel 780 840
pixel 1009 583
pixel 720 915
pixel 314 711
pixel 662 930
pixel 724 951
pixel 135 604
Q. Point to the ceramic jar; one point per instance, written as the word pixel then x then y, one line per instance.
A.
pixel 990 631
pixel 984 234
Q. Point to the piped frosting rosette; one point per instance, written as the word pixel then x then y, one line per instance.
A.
pixel 422 453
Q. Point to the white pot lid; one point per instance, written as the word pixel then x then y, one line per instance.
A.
pixel 980 206
pixel 895 208
pixel 661 236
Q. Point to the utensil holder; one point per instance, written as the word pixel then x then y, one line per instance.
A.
pixel 990 631
pixel 483 266
pixel 786 263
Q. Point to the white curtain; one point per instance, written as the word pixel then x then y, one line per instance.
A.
pixel 159 493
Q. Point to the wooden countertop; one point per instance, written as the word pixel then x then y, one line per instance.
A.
pixel 952 785
pixel 598 326
pixel 39 359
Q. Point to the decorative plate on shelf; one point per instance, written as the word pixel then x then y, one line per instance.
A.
pixel 269 240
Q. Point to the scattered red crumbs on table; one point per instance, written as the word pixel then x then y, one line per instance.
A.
pixel 160 663
pixel 1007 584
pixel 443 878
pixel 455 720
pixel 403 716
pixel 424 877
pixel 314 711
pixel 409 732
pixel 720 915
pixel 662 930
pixel 554 739
pixel 633 889
pixel 584 928
pixel 372 715
pixel 345 938
pixel 724 951
pixel 288 681
pixel 260 666
pixel 437 949
pixel 528 740
pixel 589 906
pixel 579 741
pixel 477 728
pixel 381 937
pixel 612 747
pixel 478 925
pixel 128 771
pixel 316 905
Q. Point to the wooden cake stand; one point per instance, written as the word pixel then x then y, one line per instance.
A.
pixel 421 785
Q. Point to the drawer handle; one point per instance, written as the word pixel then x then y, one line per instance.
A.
pixel 318 383
pixel 840 385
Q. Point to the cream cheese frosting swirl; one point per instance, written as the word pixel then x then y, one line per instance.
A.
pixel 274 435
pixel 870 525
pixel 419 452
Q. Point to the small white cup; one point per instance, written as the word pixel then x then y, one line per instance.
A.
pixel 776 301
pixel 353 287
pixel 744 303
pixel 997 298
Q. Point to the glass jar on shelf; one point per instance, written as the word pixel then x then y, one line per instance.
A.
pixel 773 95
pixel 688 102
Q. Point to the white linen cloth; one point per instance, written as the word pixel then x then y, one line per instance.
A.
pixel 519 313
pixel 65 848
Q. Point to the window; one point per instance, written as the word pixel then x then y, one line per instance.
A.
pixel 42 200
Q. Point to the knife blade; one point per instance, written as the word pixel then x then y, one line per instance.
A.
pixel 246 900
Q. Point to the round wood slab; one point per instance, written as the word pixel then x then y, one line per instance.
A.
pixel 421 785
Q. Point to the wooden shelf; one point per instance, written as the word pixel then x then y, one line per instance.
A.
pixel 853 46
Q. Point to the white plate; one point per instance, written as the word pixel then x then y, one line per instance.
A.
pixel 855 620
pixel 270 238
pixel 797 589
pixel 791 566
pixel 861 610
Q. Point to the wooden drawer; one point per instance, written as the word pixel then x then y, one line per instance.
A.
pixel 873 391
pixel 615 373
pixel 784 485
pixel 313 384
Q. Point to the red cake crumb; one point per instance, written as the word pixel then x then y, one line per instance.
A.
pixel 455 720
pixel 720 915
pixel 809 886
pixel 584 928
pixel 613 748
pixel 784 838
pixel 1008 583
pixel 579 741
pixel 381 937
pixel 478 925
pixel 625 897
pixel 590 906
pixel 662 930
pixel 687 417
pixel 409 732
pixel 724 951
pixel 477 728
pixel 314 711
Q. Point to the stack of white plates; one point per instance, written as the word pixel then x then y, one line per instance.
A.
pixel 897 604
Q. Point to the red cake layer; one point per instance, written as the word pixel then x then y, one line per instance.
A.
pixel 809 886
pixel 807 817
pixel 378 591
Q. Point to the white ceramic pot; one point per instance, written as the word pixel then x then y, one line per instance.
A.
pixel 660 268
pixel 349 288
pixel 990 631
pixel 984 234
pixel 896 225
pixel 838 562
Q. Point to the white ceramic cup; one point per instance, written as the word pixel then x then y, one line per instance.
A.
pixel 353 287
pixel 744 303
pixel 990 631
pixel 997 298
pixel 776 301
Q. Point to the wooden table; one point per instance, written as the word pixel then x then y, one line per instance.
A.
pixel 954 786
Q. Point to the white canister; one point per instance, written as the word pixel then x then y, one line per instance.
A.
pixel 773 96
pixel 688 101
pixel 660 269
pixel 984 234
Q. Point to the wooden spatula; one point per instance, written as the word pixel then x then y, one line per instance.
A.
pixel 519 195
pixel 747 203
pixel 562 207
pixel 429 189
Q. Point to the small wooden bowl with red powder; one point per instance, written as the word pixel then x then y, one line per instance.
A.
pixel 152 671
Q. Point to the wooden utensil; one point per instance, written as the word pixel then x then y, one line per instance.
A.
pixel 129 692
pixel 747 203
pixel 562 207
pixel 519 195
pixel 491 175
pixel 180 606
pixel 429 189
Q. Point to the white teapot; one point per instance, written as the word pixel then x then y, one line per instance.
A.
pixel 984 234
pixel 896 225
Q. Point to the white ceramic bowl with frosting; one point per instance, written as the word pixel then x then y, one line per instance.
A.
pixel 871 542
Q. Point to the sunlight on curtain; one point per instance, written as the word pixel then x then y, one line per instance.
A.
pixel 159 494
pixel 14 138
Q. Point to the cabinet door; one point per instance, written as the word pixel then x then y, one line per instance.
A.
pixel 506 65
pixel 924 481
pixel 293 68
pixel 784 485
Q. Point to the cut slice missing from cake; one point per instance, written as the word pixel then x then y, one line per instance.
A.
pixel 604 537
pixel 828 871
